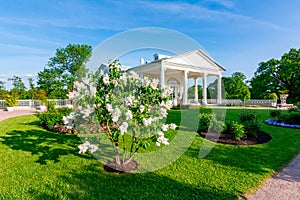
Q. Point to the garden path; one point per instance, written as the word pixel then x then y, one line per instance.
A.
pixel 283 186
pixel 5 115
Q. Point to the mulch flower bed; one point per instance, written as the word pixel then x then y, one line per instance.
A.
pixel 223 138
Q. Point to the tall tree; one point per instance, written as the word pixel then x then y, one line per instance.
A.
pixel 191 92
pixel 18 87
pixel 63 69
pixel 234 87
pixel 275 75
pixel 2 89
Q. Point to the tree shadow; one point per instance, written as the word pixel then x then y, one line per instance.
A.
pixel 92 182
pixel 47 145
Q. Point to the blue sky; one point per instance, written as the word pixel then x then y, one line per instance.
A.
pixel 239 34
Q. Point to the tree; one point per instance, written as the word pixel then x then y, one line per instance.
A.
pixel 234 87
pixel 63 69
pixel 274 75
pixel 128 110
pixel 191 92
pixel 31 93
pixel 18 87
pixel 2 90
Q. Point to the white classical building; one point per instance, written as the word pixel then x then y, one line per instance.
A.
pixel 174 71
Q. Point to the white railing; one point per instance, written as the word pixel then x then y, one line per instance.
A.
pixel 237 102
pixel 35 103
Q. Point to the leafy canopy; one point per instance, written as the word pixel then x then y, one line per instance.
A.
pixel 63 69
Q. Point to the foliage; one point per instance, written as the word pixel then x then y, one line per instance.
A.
pixel 209 122
pixel 273 96
pixel 216 126
pixel 236 129
pixel 274 75
pixel 275 114
pixel 18 87
pixel 53 117
pixel 205 119
pixel 234 87
pixel 28 152
pixel 250 122
pixel 291 118
pixel 118 105
pixel 191 92
pixel 11 99
pixel 63 69
pixel 41 95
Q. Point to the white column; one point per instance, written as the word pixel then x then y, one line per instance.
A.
pixel 204 92
pixel 162 77
pixel 185 88
pixel 141 75
pixel 196 89
pixel 219 98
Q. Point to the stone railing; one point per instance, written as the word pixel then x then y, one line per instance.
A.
pixel 34 103
pixel 237 102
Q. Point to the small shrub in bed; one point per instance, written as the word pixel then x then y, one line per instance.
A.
pixel 204 121
pixel 236 129
pixel 275 114
pixel 250 123
pixel 209 121
pixel 291 118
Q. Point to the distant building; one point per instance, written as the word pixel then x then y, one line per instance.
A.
pixel 174 71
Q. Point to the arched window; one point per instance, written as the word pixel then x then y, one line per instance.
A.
pixel 173 81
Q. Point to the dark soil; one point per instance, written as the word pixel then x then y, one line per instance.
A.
pixel 113 167
pixel 260 138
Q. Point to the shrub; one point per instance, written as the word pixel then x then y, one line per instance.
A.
pixel 236 129
pixel 204 121
pixel 53 117
pixel 210 121
pixel 291 118
pixel 10 100
pixel 250 123
pixel 275 114
pixel 216 125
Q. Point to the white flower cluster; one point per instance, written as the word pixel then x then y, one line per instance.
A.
pixel 68 120
pixel 167 91
pixel 161 139
pixel 123 128
pixel 168 105
pixel 166 127
pixel 86 146
pixel 147 122
pixel 152 83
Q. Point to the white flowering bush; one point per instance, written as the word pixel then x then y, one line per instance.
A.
pixel 123 107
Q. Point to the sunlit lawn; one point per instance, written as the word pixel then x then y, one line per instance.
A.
pixel 38 164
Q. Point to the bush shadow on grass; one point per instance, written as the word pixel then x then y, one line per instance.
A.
pixel 47 145
pixel 92 182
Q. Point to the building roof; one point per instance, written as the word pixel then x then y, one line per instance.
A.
pixel 196 59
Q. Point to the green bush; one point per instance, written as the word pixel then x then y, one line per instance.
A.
pixel 236 129
pixel 291 118
pixel 53 116
pixel 250 122
pixel 210 121
pixel 216 125
pixel 204 121
pixel 275 114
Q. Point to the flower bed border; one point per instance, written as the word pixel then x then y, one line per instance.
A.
pixel 281 124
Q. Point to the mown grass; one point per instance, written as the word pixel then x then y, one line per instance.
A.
pixel 38 164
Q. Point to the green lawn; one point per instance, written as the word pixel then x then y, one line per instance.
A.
pixel 38 164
